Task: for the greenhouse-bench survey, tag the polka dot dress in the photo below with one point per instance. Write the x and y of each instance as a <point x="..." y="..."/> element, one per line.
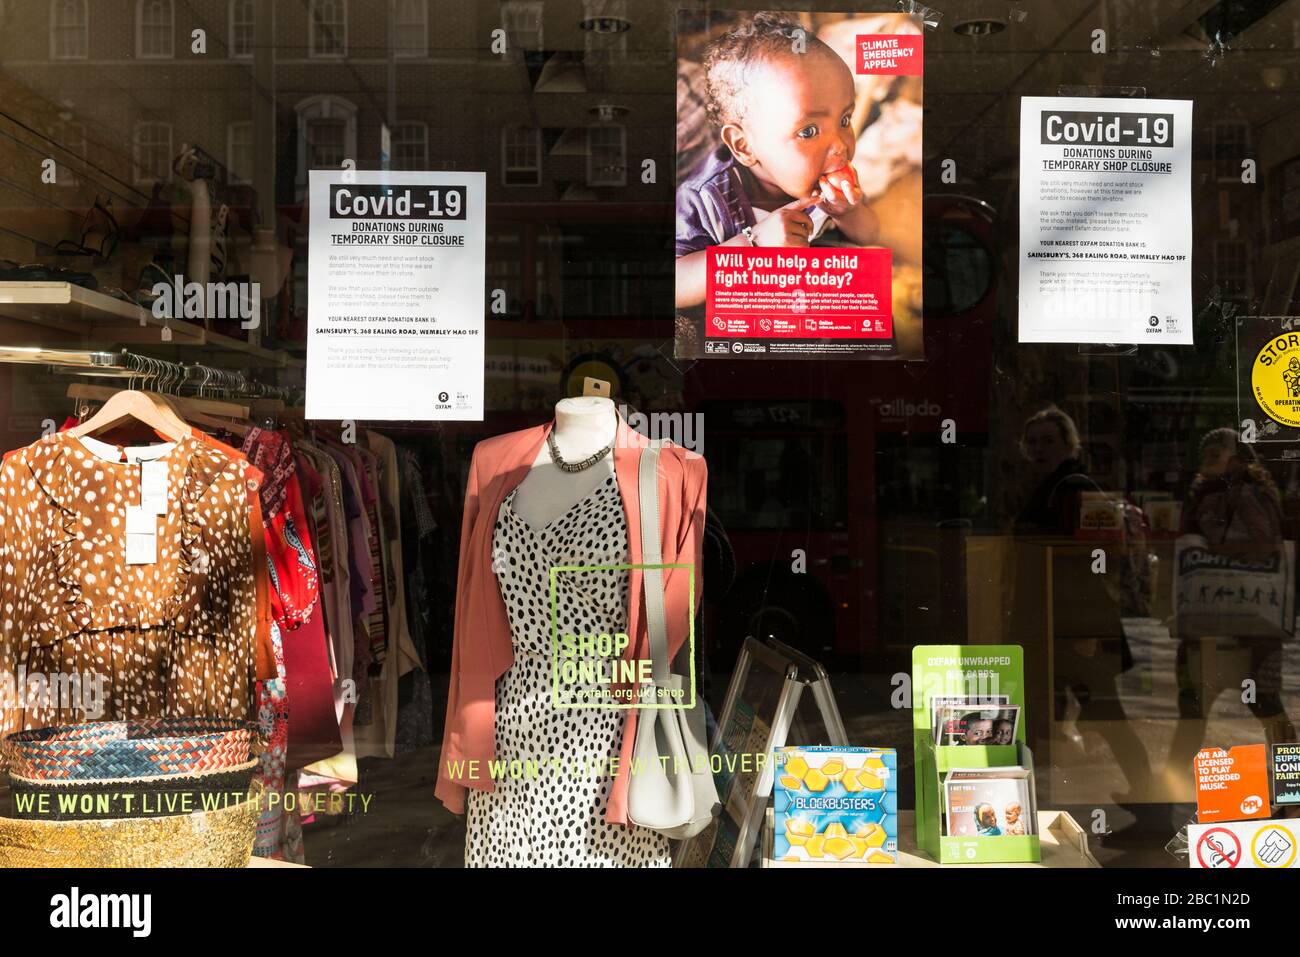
<point x="553" y="784"/>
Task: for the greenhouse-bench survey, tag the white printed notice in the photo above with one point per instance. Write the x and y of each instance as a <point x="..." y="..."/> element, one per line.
<point x="395" y="271"/>
<point x="1105" y="220"/>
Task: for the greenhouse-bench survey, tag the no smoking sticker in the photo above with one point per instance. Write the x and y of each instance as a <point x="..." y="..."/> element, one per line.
<point x="1218" y="848"/>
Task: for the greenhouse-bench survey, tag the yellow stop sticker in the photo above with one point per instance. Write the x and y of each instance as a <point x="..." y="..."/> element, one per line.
<point x="1275" y="379"/>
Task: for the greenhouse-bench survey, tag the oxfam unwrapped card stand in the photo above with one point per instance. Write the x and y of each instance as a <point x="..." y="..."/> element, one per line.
<point x="973" y="676"/>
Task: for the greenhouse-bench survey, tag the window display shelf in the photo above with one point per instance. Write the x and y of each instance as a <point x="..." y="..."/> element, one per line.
<point x="98" y="317"/>
<point x="1064" y="844"/>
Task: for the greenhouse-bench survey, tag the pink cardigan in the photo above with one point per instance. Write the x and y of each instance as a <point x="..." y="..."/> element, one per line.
<point x="483" y="647"/>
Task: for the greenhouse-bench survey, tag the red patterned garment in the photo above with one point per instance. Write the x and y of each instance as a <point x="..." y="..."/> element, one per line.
<point x="290" y="553"/>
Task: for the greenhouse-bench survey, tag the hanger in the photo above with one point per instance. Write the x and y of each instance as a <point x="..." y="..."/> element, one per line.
<point x="195" y="415"/>
<point x="130" y="404"/>
<point x="211" y="421"/>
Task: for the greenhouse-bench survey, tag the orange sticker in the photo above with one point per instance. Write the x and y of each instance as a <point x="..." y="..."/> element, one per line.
<point x="1232" y="785"/>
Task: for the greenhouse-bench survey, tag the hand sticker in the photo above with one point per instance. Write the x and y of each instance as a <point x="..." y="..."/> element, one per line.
<point x="1274" y="847"/>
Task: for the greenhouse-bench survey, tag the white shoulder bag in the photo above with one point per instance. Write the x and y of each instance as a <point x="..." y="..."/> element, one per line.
<point x="672" y="789"/>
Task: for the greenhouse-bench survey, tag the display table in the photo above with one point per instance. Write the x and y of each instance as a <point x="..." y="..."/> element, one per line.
<point x="1065" y="844"/>
<point x="267" y="862"/>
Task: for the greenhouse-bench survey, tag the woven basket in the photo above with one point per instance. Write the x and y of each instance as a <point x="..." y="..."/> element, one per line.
<point x="220" y="838"/>
<point x="129" y="749"/>
<point x="113" y="798"/>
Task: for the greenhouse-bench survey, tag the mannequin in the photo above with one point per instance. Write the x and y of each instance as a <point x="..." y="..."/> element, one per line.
<point x="583" y="426"/>
<point x="575" y="520"/>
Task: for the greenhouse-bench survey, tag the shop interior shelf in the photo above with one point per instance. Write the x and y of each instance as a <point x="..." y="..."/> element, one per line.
<point x="101" y="318"/>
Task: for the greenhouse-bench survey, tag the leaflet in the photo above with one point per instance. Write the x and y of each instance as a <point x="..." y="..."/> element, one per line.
<point x="396" y="305"/>
<point x="1105" y="220"/>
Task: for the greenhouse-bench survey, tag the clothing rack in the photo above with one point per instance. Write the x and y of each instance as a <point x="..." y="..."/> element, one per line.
<point x="165" y="376"/>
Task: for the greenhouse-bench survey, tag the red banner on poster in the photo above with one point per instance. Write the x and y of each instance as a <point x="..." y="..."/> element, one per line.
<point x="881" y="54"/>
<point x="799" y="293"/>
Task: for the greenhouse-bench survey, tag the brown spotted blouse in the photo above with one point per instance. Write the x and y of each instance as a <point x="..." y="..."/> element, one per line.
<point x="175" y="636"/>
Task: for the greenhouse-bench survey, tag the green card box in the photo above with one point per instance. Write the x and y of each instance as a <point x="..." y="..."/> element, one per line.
<point x="992" y="756"/>
<point x="976" y="670"/>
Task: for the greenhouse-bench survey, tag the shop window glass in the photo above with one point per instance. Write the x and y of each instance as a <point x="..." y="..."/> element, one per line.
<point x="966" y="478"/>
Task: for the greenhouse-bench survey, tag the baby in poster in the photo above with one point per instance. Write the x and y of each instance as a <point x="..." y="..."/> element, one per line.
<point x="784" y="121"/>
<point x="795" y="133"/>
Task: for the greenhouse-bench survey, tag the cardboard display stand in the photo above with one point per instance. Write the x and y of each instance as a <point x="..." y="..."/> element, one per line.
<point x="974" y="670"/>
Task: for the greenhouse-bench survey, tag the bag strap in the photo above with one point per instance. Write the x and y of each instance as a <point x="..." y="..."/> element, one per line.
<point x="652" y="554"/>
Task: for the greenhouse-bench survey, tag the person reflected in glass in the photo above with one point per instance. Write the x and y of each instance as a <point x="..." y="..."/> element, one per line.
<point x="1087" y="668"/>
<point x="1233" y="504"/>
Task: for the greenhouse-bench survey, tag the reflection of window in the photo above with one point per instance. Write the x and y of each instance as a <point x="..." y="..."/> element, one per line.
<point x="521" y="156"/>
<point x="327" y="135"/>
<point x="72" y="138"/>
<point x="239" y="152"/>
<point x="153" y="28"/>
<point x="1232" y="268"/>
<point x="410" y="144"/>
<point x="1231" y="146"/>
<point x="241" y="28"/>
<point x="329" y="27"/>
<point x="449" y="145"/>
<point x="151" y="150"/>
<point x="523" y="23"/>
<point x="505" y="270"/>
<point x="606" y="156"/>
<point x="410" y="27"/>
<point x="326" y="141"/>
<point x="69" y="20"/>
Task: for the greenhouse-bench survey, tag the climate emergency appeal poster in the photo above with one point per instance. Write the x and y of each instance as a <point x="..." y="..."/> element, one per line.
<point x="798" y="189"/>
<point x="1105" y="220"/>
<point x="395" y="306"/>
